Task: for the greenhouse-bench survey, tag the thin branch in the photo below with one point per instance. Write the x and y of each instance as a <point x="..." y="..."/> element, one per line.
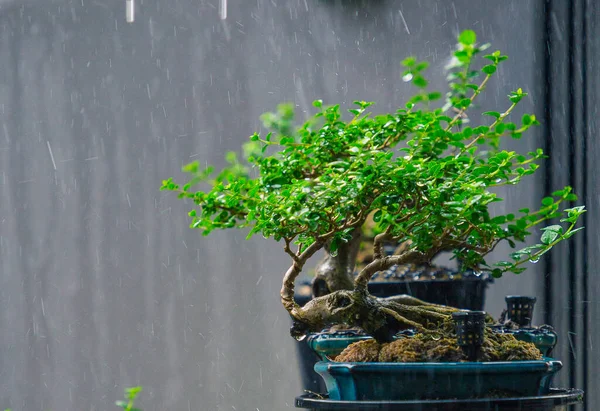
<point x="415" y="223"/>
<point x="536" y="255"/>
<point x="287" y="289"/>
<point x="236" y="213"/>
<point x="300" y="258"/>
<point x="288" y="250"/>
<point x="412" y="256"/>
<point x="378" y="242"/>
<point x="490" y="128"/>
<point x="494" y="245"/>
<point x="464" y="109"/>
<point x="388" y="140"/>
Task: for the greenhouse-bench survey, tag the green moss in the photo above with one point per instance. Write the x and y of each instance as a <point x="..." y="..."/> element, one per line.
<point x="361" y="351"/>
<point x="440" y="348"/>
<point x="519" y="350"/>
<point x="445" y="350"/>
<point x="403" y="350"/>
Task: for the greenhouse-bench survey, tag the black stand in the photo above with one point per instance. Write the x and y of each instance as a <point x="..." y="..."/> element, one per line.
<point x="557" y="399"/>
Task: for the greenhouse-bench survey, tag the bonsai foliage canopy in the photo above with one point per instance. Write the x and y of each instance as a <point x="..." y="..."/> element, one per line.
<point x="425" y="175"/>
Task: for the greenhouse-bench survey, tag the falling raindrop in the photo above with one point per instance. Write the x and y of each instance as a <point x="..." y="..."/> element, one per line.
<point x="130" y="10"/>
<point x="223" y="9"/>
<point x="407" y="77"/>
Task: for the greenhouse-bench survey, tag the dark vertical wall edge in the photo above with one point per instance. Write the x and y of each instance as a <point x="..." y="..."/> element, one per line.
<point x="584" y="193"/>
<point x="547" y="147"/>
<point x="571" y="254"/>
<point x="570" y="34"/>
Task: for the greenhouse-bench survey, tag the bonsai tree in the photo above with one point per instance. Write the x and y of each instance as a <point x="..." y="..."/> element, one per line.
<point x="423" y="176"/>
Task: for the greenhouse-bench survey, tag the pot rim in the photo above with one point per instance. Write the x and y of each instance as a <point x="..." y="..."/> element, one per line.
<point x="546" y="364"/>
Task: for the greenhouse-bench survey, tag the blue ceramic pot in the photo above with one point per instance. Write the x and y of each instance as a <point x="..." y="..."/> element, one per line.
<point x="544" y="338"/>
<point x="328" y="346"/>
<point x="420" y="381"/>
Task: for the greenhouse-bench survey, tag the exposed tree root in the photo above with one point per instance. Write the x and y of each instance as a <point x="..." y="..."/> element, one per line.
<point x="380" y="317"/>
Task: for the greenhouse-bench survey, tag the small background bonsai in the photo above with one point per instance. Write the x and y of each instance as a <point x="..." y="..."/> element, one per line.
<point x="422" y="177"/>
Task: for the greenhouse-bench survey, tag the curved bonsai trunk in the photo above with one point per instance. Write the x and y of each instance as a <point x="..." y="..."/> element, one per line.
<point x="382" y="318"/>
<point x="336" y="272"/>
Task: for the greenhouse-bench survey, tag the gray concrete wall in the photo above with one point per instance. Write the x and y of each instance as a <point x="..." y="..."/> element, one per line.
<point x="102" y="284"/>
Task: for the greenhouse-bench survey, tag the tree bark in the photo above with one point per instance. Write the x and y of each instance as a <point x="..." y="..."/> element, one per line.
<point x="336" y="272"/>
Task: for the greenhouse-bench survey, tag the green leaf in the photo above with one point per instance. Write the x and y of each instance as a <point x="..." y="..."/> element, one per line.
<point x="517" y="255"/>
<point x="517" y="96"/>
<point x="464" y="103"/>
<point x="409" y="62"/>
<point x="569" y="234"/>
<point x="571" y="197"/>
<point x="462" y="57"/>
<point x="494" y="114"/>
<point x="419" y="81"/>
<point x="467" y="38"/>
<point x="434" y="169"/>
<point x="333" y="247"/>
<point x="551" y="233"/>
<point x="575" y="211"/>
<point x="191" y="167"/>
<point x="499" y="219"/>
<point x="547" y="201"/>
<point x="377" y="216"/>
<point x="420" y="66"/>
<point x="548" y="237"/>
<point x="434" y="96"/>
<point x="489" y="69"/>
<point x="231" y="157"/>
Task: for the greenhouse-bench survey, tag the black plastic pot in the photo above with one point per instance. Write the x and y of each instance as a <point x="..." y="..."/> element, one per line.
<point x="467" y="293"/>
<point x="470" y="327"/>
<point x="519" y="309"/>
